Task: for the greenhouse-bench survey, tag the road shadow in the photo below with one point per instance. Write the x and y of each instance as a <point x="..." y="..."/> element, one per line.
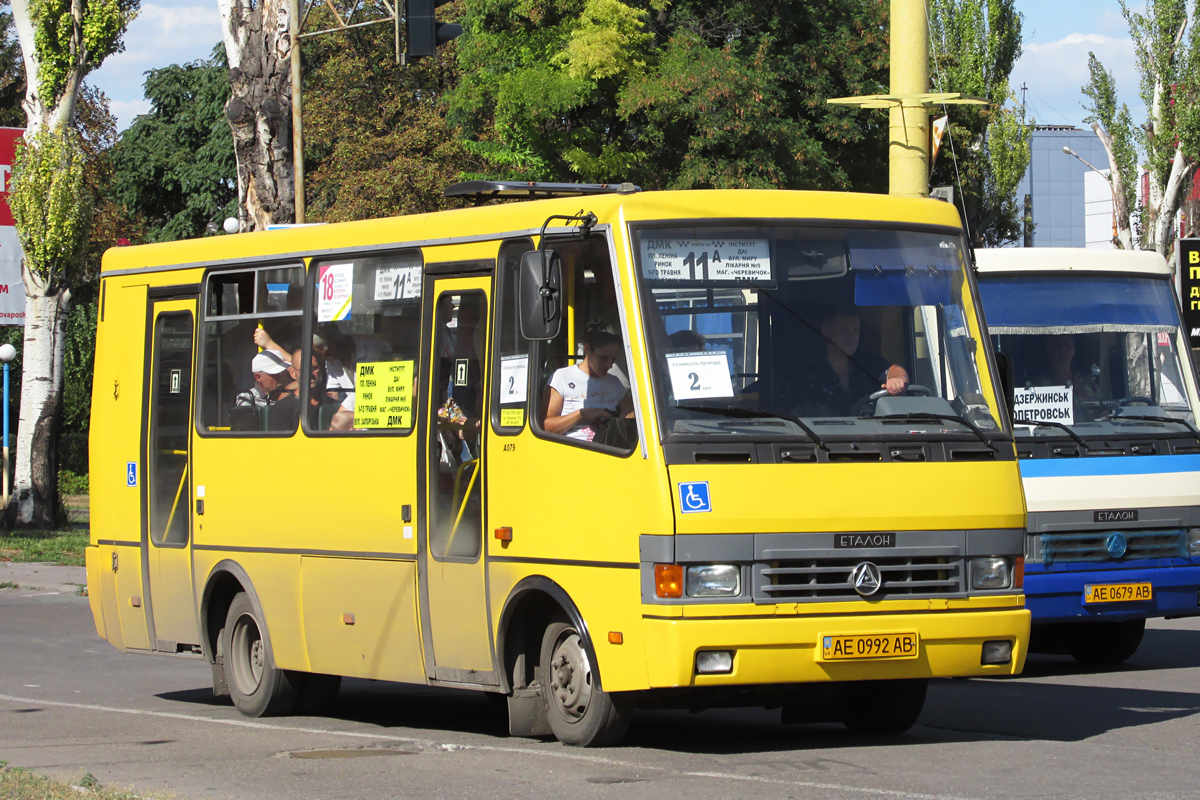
<point x="1048" y="704"/>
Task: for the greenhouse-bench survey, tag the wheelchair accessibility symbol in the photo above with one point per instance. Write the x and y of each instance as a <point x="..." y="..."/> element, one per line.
<point x="693" y="497"/>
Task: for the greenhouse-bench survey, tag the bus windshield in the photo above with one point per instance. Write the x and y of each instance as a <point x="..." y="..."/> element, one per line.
<point x="1088" y="352"/>
<point x="811" y="331"/>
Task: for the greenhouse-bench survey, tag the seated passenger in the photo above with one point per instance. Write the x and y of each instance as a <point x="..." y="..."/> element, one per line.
<point x="1060" y="369"/>
<point x="271" y="377"/>
<point x="686" y="341"/>
<point x="841" y="376"/>
<point x="582" y="397"/>
<point x="288" y="405"/>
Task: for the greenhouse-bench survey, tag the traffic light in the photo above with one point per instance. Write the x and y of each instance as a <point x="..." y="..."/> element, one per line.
<point x="424" y="32"/>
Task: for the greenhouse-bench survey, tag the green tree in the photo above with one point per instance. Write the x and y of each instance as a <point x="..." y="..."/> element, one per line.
<point x="61" y="42"/>
<point x="12" y="72"/>
<point x="1167" y="145"/>
<point x="679" y="94"/>
<point x="174" y="166"/>
<point x="376" y="139"/>
<point x="974" y="45"/>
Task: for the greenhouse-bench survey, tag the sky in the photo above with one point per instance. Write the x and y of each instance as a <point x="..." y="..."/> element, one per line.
<point x="1058" y="35"/>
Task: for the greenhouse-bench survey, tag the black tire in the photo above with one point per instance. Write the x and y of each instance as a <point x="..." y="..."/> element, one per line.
<point x="580" y="713"/>
<point x="882" y="708"/>
<point x="317" y="694"/>
<point x="1105" y="642"/>
<point x="257" y="686"/>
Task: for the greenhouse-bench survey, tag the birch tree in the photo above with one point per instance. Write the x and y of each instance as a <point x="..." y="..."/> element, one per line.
<point x="258" y="48"/>
<point x="61" y="42"/>
<point x="974" y="45"/>
<point x="1167" y="144"/>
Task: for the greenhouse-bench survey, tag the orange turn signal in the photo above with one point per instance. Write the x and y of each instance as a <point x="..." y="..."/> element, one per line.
<point x="504" y="534"/>
<point x="1019" y="573"/>
<point x="668" y="580"/>
<point x="347" y="619"/>
<point x="616" y="637"/>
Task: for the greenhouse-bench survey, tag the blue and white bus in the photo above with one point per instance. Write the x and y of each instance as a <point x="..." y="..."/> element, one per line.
<point x="1105" y="406"/>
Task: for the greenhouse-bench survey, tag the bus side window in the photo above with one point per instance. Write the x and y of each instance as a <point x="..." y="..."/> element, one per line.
<point x="251" y="319"/>
<point x="512" y="377"/>
<point x="365" y="349"/>
<point x="569" y="379"/>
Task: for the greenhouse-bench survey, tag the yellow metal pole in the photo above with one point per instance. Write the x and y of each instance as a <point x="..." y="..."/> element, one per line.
<point x="908" y="139"/>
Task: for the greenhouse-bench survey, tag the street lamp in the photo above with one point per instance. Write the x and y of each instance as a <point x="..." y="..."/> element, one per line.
<point x="7" y="354"/>
<point x="1108" y="180"/>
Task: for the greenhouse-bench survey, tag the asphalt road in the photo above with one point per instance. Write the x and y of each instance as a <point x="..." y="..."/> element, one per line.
<point x="71" y="704"/>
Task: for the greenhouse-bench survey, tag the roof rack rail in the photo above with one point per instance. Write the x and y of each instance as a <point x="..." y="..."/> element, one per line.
<point x="487" y="190"/>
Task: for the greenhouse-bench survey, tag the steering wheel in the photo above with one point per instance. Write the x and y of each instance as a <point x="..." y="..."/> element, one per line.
<point x="1136" y="400"/>
<point x="861" y="405"/>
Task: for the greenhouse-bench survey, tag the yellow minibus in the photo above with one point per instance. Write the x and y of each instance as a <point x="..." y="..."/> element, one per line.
<point x="590" y="451"/>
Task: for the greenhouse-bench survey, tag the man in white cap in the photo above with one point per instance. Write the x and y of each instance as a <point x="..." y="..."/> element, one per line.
<point x="271" y="378"/>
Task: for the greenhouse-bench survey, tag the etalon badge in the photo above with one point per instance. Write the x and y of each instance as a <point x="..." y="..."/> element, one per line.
<point x="866" y="579"/>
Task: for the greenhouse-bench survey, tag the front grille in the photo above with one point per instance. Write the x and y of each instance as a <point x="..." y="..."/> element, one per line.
<point x="829" y="578"/>
<point x="1059" y="548"/>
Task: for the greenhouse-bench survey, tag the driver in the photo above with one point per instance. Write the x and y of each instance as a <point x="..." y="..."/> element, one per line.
<point x="841" y="376"/>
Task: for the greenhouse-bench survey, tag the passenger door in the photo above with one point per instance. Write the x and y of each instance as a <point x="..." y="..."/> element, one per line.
<point x="167" y="498"/>
<point x="453" y="598"/>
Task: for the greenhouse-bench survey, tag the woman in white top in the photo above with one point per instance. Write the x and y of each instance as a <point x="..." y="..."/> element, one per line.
<point x="582" y="397"/>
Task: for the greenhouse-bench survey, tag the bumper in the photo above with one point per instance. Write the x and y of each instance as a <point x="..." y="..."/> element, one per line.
<point x="787" y="649"/>
<point x="1058" y="596"/>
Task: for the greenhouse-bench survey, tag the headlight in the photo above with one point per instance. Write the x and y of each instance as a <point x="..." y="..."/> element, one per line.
<point x="1193" y="541"/>
<point x="991" y="572"/>
<point x="714" y="580"/>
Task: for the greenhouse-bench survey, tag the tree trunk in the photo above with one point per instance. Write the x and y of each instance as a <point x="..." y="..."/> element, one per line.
<point x="258" y="45"/>
<point x="1116" y="182"/>
<point x="34" y="501"/>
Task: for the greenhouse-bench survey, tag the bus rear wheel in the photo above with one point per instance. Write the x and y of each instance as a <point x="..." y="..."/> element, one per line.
<point x="882" y="708"/>
<point x="1104" y="642"/>
<point x="257" y="686"/>
<point x="580" y="713"/>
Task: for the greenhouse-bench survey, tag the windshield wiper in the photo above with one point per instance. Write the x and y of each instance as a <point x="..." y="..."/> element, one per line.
<point x="920" y="415"/>
<point x="1151" y="418"/>
<point x="755" y="413"/>
<point x="1047" y="423"/>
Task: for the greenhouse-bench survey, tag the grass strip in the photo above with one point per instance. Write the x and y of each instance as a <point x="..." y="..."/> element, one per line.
<point x="53" y="547"/>
<point x="22" y="784"/>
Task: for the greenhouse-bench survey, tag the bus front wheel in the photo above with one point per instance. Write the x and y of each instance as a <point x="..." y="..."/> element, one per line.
<point x="257" y="686"/>
<point x="580" y="713"/>
<point x="882" y="708"/>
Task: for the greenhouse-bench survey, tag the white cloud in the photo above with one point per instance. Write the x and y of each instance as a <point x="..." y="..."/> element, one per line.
<point x="164" y="33"/>
<point x="1055" y="73"/>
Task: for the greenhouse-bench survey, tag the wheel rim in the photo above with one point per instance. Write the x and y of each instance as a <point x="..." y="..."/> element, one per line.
<point x="570" y="677"/>
<point x="248" y="655"/>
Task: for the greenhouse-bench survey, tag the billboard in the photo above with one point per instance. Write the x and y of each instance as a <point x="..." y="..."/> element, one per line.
<point x="12" y="291"/>
<point x="1189" y="288"/>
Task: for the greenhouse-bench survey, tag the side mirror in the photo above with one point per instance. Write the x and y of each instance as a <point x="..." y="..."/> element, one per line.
<point x="540" y="293"/>
<point x="1004" y="366"/>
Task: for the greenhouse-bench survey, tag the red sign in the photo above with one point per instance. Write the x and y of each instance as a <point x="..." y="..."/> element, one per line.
<point x="8" y="141"/>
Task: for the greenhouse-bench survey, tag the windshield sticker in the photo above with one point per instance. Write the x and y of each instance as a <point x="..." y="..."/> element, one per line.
<point x="383" y="394"/>
<point x="699" y="375"/>
<point x="335" y="286"/>
<point x="706" y="259"/>
<point x="1045" y="403"/>
<point x="397" y="283"/>
<point x="514" y="378"/>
